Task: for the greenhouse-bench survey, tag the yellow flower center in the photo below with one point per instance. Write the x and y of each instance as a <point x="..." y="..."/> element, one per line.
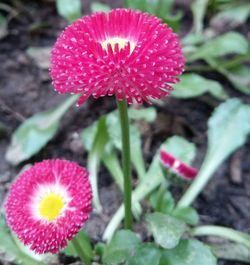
<point x="120" y="41"/>
<point x="51" y="205"/>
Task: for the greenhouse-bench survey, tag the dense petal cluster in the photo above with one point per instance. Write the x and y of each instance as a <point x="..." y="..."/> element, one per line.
<point x="125" y="53"/>
<point x="48" y="204"/>
<point x="177" y="166"/>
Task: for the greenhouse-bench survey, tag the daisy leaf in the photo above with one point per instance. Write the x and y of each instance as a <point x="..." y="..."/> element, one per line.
<point x="32" y="135"/>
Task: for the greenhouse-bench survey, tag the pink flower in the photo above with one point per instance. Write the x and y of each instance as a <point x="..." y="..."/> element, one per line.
<point x="48" y="204"/>
<point x="177" y="166"/>
<point x="125" y="53"/>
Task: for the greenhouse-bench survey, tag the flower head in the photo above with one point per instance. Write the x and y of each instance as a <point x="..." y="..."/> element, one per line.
<point x="48" y="204"/>
<point x="125" y="53"/>
<point x="177" y="166"/>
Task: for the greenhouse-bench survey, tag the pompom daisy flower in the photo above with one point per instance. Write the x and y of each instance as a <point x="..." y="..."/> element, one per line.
<point x="125" y="53"/>
<point x="48" y="204"/>
<point x="177" y="166"/>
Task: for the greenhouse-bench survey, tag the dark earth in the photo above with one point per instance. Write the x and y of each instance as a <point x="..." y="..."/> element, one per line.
<point x="26" y="89"/>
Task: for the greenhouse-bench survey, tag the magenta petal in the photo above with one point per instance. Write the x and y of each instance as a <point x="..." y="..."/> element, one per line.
<point x="125" y="53"/>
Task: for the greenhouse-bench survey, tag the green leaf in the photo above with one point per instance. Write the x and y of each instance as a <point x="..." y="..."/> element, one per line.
<point x="239" y="77"/>
<point x="103" y="151"/>
<point x="180" y="148"/>
<point x="10" y="249"/>
<point x="142" y="5"/>
<point x="192" y="39"/>
<point x="98" y="7"/>
<point x="228" y="43"/>
<point x="99" y="249"/>
<point x="122" y="245"/>
<point x="111" y="162"/>
<point x="235" y="15"/>
<point x="88" y="135"/>
<point x="193" y="85"/>
<point x="231" y="251"/>
<point x="114" y="132"/>
<point x="160" y="8"/>
<point x="94" y="158"/>
<point x="166" y="229"/>
<point x="153" y="178"/>
<point x="166" y="203"/>
<point x="32" y="135"/>
<point x="145" y="254"/>
<point x="221" y="231"/>
<point x="85" y="243"/>
<point x="3" y="26"/>
<point x="187" y="214"/>
<point x="228" y="129"/>
<point x="198" y="8"/>
<point x="69" y="9"/>
<point x="146" y="114"/>
<point x="189" y="252"/>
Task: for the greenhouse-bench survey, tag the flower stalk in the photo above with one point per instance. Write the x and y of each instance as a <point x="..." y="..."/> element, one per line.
<point x="124" y="122"/>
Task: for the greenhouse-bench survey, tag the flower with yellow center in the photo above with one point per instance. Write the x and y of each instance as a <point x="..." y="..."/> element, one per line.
<point x="48" y="204"/>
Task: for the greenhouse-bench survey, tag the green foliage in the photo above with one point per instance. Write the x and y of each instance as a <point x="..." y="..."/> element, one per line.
<point x="228" y="129"/>
<point x="115" y="138"/>
<point x="237" y="74"/>
<point x="240" y="78"/>
<point x="166" y="229"/>
<point x="160" y="8"/>
<point x="154" y="177"/>
<point x="146" y="114"/>
<point x="231" y="251"/>
<point x="194" y="85"/>
<point x="145" y="254"/>
<point x="32" y="135"/>
<point x="235" y="14"/>
<point x="188" y="214"/>
<point x="228" y="43"/>
<point x="162" y="200"/>
<point x="103" y="140"/>
<point x="69" y="9"/>
<point x="95" y="156"/>
<point x="121" y="246"/>
<point x="188" y="252"/>
<point x="198" y="8"/>
<point x="98" y="7"/>
<point x="85" y="243"/>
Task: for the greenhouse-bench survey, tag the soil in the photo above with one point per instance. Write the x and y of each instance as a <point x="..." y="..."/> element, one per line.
<point x="26" y="89"/>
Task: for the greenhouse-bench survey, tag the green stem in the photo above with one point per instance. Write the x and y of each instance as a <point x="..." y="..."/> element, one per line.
<point x="124" y="121"/>
<point x="80" y="251"/>
<point x="161" y="192"/>
<point x="235" y="61"/>
<point x="228" y="233"/>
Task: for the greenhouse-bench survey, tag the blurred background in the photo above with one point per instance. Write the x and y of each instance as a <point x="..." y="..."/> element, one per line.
<point x="215" y="36"/>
